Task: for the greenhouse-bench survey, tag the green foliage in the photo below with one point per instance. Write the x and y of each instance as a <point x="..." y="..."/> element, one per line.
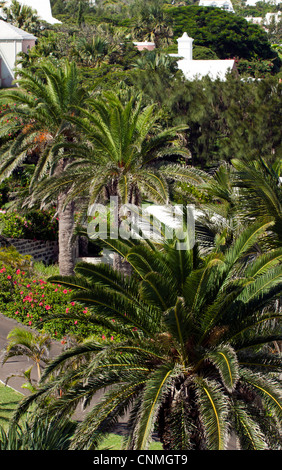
<point x="34" y="225"/>
<point x="22" y="16"/>
<point x="203" y="53"/>
<point x="11" y="257"/>
<point x="35" y="346"/>
<point x="125" y="143"/>
<point x="196" y="331"/>
<point x="38" y="435"/>
<point x="227" y="35"/>
<point x="32" y="301"/>
<point x="254" y="68"/>
<point x="225" y="119"/>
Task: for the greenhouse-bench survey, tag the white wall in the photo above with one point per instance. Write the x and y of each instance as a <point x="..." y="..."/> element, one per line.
<point x="8" y="52"/>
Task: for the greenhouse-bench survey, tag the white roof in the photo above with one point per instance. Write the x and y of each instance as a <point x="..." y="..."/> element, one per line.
<point x="193" y="69"/>
<point x="43" y="8"/>
<point x="10" y="32"/>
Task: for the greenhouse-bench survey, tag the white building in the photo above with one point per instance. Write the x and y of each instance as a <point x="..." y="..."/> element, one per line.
<point x="12" y="41"/>
<point x="266" y="21"/>
<point x="269" y="17"/>
<point x="223" y="4"/>
<point x="193" y="69"/>
<point x="254" y="19"/>
<point x="43" y="8"/>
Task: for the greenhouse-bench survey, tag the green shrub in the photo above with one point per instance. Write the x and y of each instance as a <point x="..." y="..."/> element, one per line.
<point x="254" y="68"/>
<point x="36" y="224"/>
<point x="204" y="53"/>
<point x="31" y="301"/>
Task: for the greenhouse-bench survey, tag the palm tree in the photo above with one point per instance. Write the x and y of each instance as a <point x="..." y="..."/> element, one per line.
<point x="92" y="52"/>
<point x="260" y="192"/>
<point x="22" y="16"/>
<point x="38" y="116"/>
<point x="152" y="23"/>
<point x="25" y="342"/>
<point x="194" y="363"/>
<point x="123" y="144"/>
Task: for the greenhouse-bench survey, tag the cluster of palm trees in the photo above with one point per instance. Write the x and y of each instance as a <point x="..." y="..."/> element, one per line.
<point x="200" y="354"/>
<point x="105" y="148"/>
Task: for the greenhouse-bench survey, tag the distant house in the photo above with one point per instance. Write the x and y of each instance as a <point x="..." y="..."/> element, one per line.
<point x="223" y="4"/>
<point x="266" y="21"/>
<point x="43" y="8"/>
<point x="193" y="69"/>
<point x="12" y="41"/>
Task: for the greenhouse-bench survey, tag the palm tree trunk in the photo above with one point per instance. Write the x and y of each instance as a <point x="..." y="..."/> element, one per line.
<point x="122" y="265"/>
<point x="38" y="371"/>
<point x="66" y="229"/>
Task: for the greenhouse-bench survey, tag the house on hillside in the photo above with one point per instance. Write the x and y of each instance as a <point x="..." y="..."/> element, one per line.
<point x="223" y="4"/>
<point x="267" y="20"/>
<point x="193" y="69"/>
<point x="43" y="8"/>
<point x="12" y="41"/>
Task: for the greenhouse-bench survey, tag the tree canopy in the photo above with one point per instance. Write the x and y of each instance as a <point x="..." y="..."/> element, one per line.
<point x="227" y="35"/>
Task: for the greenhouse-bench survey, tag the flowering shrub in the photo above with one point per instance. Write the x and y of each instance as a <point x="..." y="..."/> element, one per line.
<point x="30" y="301"/>
<point x="255" y="68"/>
<point x="40" y="225"/>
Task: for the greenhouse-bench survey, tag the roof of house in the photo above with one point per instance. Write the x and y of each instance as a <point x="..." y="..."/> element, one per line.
<point x="10" y="32"/>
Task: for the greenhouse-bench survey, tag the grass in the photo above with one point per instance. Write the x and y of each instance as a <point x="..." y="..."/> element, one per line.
<point x="43" y="271"/>
<point x="9" y="400"/>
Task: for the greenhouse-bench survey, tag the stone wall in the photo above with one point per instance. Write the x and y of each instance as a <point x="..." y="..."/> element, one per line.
<point x="40" y="250"/>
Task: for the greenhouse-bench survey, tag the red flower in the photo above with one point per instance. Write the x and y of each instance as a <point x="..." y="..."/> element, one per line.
<point x="47" y="307"/>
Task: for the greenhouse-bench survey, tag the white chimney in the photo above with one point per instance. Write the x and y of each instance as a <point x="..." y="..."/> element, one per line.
<point x="185" y="47"/>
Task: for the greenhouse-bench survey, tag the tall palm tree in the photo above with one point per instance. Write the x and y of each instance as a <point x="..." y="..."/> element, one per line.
<point x="152" y="23"/>
<point x="194" y="362"/>
<point x="123" y="144"/>
<point x="38" y="116"/>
